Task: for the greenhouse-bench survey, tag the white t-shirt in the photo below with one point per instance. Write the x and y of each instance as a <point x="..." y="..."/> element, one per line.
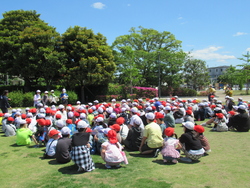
<point x="51" y="147"/>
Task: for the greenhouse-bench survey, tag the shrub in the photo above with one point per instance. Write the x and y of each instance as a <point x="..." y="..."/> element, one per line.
<point x="28" y="99"/>
<point x="202" y="93"/>
<point x="145" y="92"/>
<point x="72" y="97"/>
<point x="16" y="98"/>
<point x="180" y="91"/>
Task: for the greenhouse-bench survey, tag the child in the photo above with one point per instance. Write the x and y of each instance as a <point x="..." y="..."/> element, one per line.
<point x="51" y="145"/>
<point x="204" y="142"/>
<point x="10" y="129"/>
<point x="220" y="123"/>
<point x="170" y="146"/>
<point x="80" y="153"/>
<point x="111" y="151"/>
<point x="71" y="126"/>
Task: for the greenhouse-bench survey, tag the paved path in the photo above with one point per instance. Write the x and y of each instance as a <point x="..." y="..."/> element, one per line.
<point x="220" y="95"/>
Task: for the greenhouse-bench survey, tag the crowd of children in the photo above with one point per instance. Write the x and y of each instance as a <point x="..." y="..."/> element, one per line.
<point x="75" y="132"/>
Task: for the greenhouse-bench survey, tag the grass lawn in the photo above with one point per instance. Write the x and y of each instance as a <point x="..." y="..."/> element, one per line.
<point x="228" y="165"/>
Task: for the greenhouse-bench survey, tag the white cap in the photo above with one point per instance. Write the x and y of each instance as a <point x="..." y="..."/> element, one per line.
<point x="100" y="110"/>
<point x="38" y="91"/>
<point x="22" y="121"/>
<point x="52" y="91"/>
<point x="93" y="107"/>
<point x="41" y="115"/>
<point x="124" y="109"/>
<point x="82" y="124"/>
<point x="150" y="116"/>
<point x="60" y="106"/>
<point x="40" y="104"/>
<point x="60" y="123"/>
<point x="70" y="114"/>
<point x="134" y="110"/>
<point x="113" y="100"/>
<point x="69" y="108"/>
<point x="149" y="108"/>
<point x="18" y="113"/>
<point x="242" y="107"/>
<point x="46" y="92"/>
<point x="63" y="90"/>
<point x="78" y="102"/>
<point x="29" y="115"/>
<point x="112" y="115"/>
<point x="99" y="119"/>
<point x="96" y="101"/>
<point x="123" y="100"/>
<point x="42" y="110"/>
<point x="82" y="116"/>
<point x="137" y="121"/>
<point x="105" y="131"/>
<point x="109" y="110"/>
<point x="7" y="115"/>
<point x="189" y="125"/>
<point x="65" y="131"/>
<point x="167" y="108"/>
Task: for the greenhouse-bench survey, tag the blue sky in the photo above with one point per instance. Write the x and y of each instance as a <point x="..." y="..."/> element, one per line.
<point x="216" y="31"/>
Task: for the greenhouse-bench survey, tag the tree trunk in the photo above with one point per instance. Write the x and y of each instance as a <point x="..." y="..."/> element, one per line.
<point x="27" y="85"/>
<point x="82" y="95"/>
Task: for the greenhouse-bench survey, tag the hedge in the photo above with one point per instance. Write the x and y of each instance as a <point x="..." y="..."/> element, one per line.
<point x="20" y="99"/>
<point x="180" y="91"/>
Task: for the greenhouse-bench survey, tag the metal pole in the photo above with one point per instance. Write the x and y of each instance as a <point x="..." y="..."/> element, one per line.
<point x="159" y="76"/>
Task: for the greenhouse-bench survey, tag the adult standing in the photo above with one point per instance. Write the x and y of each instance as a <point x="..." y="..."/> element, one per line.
<point x="53" y="99"/>
<point x="64" y="97"/>
<point x="37" y="98"/>
<point x="210" y="91"/>
<point x="5" y="101"/>
<point x="45" y="99"/>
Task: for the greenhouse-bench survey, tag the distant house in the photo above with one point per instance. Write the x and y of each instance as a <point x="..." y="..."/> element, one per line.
<point x="215" y="72"/>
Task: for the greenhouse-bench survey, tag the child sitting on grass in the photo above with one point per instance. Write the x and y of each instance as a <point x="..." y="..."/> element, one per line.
<point x="111" y="151"/>
<point x="204" y="142"/>
<point x="170" y="146"/>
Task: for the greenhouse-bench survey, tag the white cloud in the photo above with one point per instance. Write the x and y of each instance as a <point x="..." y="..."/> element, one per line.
<point x="128" y="5"/>
<point x="239" y="34"/>
<point x="98" y="5"/>
<point x="211" y="53"/>
<point x="248" y="49"/>
<point x="180" y="18"/>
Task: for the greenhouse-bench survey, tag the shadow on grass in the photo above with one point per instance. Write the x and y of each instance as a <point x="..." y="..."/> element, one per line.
<point x="54" y="162"/>
<point x="160" y="162"/>
<point x="15" y="145"/>
<point x="70" y="170"/>
<point x="141" y="155"/>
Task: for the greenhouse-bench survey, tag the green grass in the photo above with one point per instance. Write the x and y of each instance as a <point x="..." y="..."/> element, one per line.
<point x="227" y="166"/>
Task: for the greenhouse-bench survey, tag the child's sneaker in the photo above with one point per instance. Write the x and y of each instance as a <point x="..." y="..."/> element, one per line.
<point x="107" y="166"/>
<point x="174" y="161"/>
<point x="118" y="166"/>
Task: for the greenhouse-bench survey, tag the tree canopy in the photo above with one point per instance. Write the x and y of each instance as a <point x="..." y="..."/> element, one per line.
<point x="146" y="44"/>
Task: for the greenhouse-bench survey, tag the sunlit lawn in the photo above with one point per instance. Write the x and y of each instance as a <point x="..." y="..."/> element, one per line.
<point x="228" y="165"/>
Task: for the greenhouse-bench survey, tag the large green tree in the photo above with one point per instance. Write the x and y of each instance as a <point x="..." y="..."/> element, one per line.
<point x="90" y="60"/>
<point x="195" y="73"/>
<point x="28" y="47"/>
<point x="146" y="45"/>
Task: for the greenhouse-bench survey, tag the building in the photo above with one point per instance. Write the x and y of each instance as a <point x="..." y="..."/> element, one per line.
<point x="215" y="72"/>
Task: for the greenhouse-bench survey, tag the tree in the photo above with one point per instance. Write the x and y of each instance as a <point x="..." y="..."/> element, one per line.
<point x="246" y="69"/>
<point x="195" y="73"/>
<point x="29" y="47"/>
<point x="232" y="76"/>
<point x="89" y="58"/>
<point x="146" y="43"/>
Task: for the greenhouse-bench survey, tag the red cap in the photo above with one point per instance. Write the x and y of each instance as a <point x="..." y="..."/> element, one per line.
<point x="115" y="127"/>
<point x="28" y="120"/>
<point x="53" y="132"/>
<point x="199" y="129"/>
<point x="112" y="137"/>
<point x="117" y="105"/>
<point x="213" y="106"/>
<point x="48" y="122"/>
<point x="153" y="107"/>
<point x="190" y="108"/>
<point x="120" y="120"/>
<point x="23" y="116"/>
<point x="58" y="116"/>
<point x="69" y="121"/>
<point x="41" y="122"/>
<point x="232" y="113"/>
<point x="159" y="115"/>
<point x="10" y="119"/>
<point x="90" y="111"/>
<point x="219" y="115"/>
<point x="1" y="114"/>
<point x="169" y="131"/>
<point x="48" y="111"/>
<point x="189" y="112"/>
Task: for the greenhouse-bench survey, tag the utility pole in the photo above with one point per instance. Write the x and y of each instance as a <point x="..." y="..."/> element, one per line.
<point x="159" y="76"/>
